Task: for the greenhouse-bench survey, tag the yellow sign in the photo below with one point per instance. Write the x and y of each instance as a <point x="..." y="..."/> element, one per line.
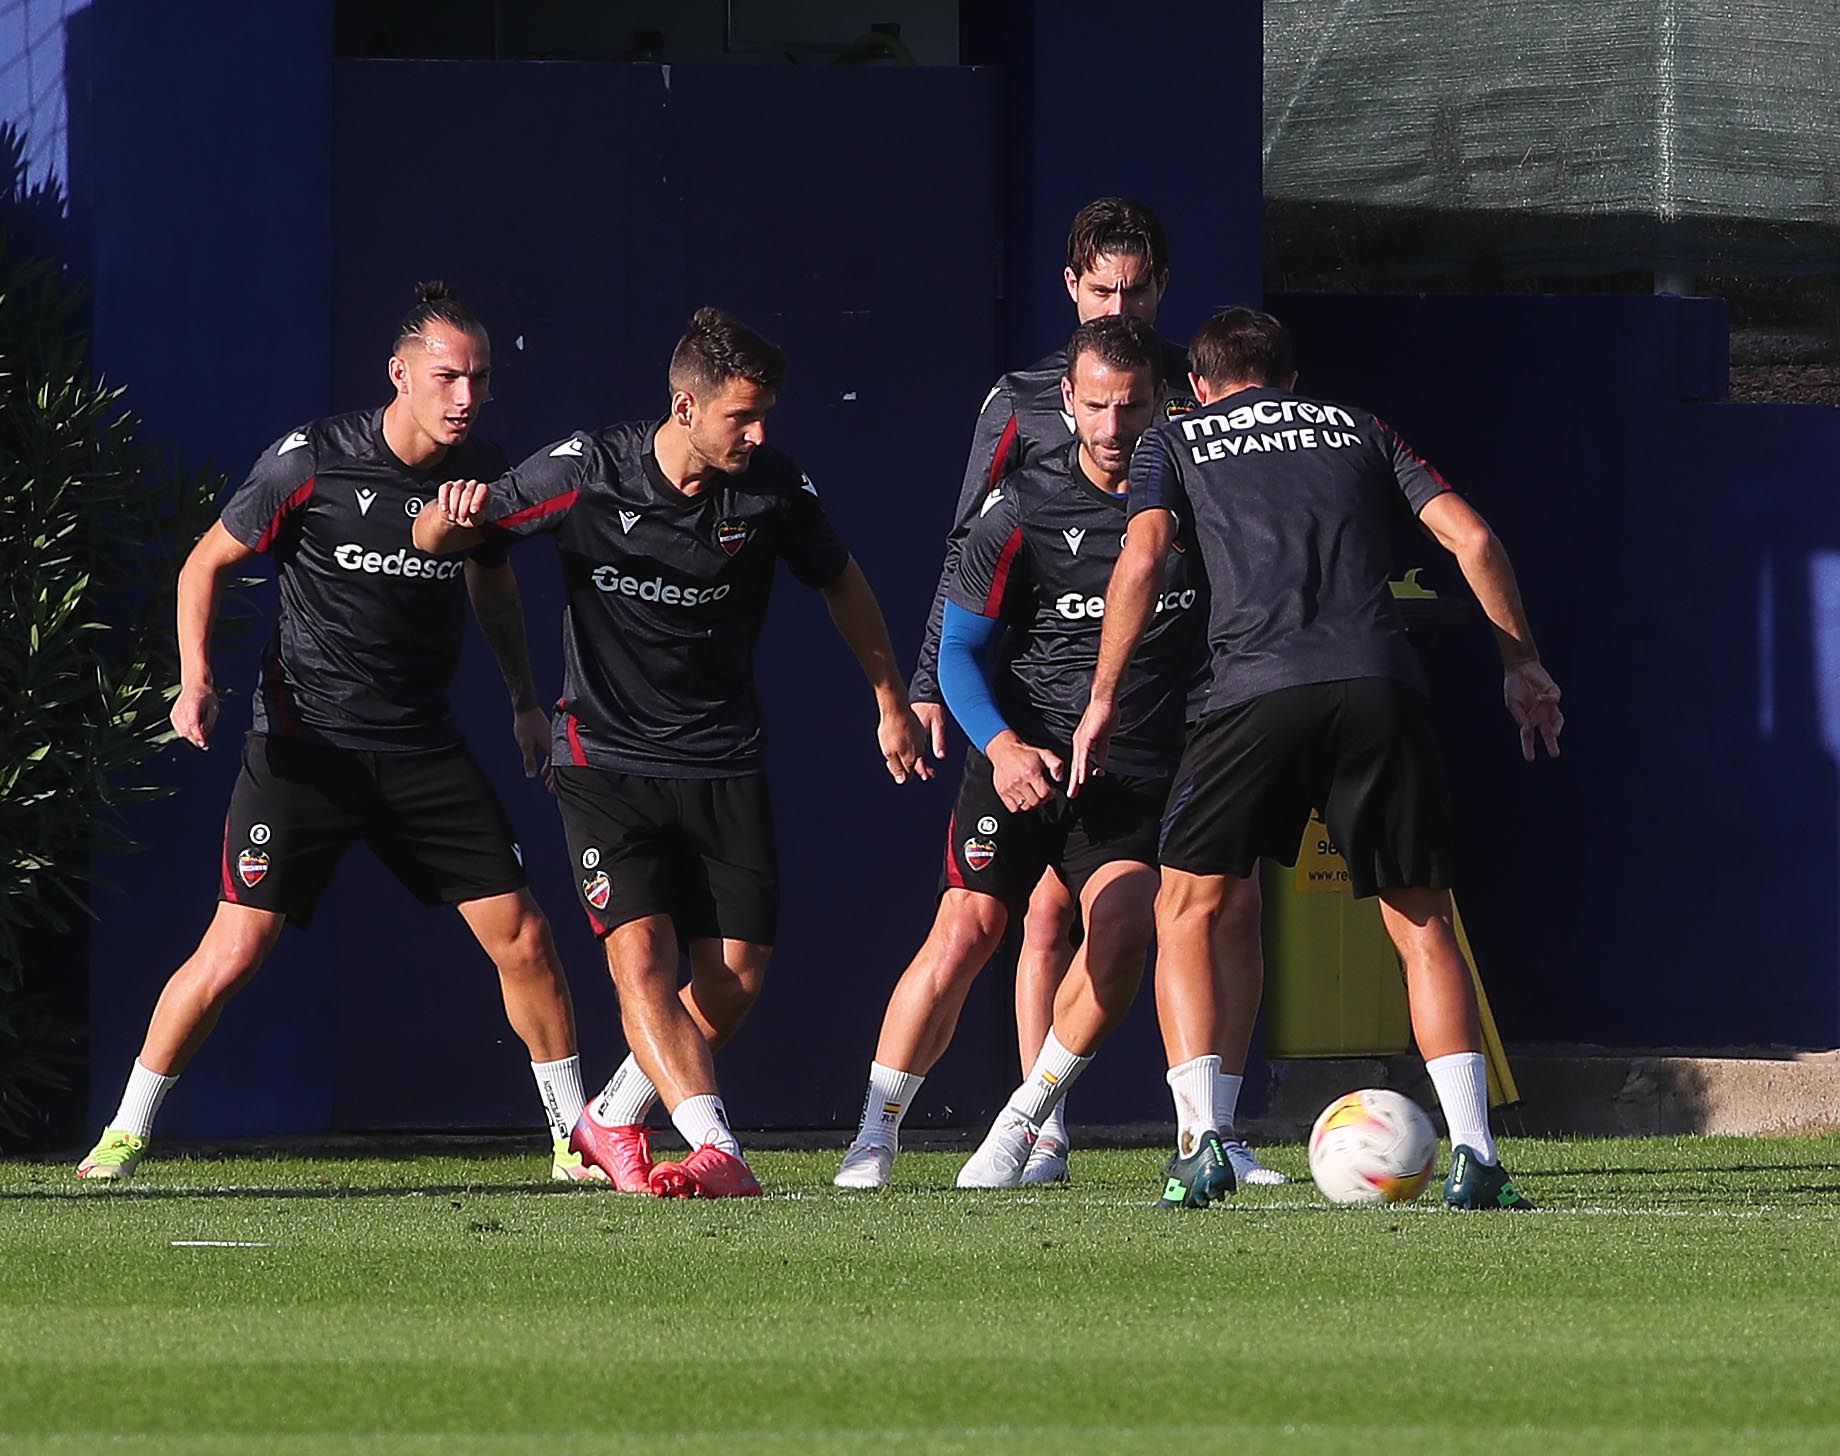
<point x="1321" y="870"/>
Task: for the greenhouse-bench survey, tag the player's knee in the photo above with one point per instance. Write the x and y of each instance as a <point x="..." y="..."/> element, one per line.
<point x="223" y="966"/>
<point x="970" y="928"/>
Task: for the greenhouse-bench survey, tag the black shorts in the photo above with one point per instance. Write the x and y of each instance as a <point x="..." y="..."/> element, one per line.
<point x="1003" y="854"/>
<point x="699" y="850"/>
<point x="1362" y="752"/>
<point x="429" y="815"/>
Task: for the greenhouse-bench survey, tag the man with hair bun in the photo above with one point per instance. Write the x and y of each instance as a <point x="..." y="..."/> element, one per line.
<point x="1117" y="264"/>
<point x="353" y="736"/>
<point x="670" y="532"/>
<point x="1020" y="637"/>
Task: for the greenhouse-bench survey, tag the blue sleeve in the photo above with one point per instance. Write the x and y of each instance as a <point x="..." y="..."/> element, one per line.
<point x="965" y="642"/>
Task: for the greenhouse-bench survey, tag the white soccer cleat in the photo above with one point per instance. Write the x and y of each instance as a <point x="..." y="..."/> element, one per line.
<point x="1247" y="1168"/>
<point x="1002" y="1156"/>
<point x="865" y="1165"/>
<point x="1047" y="1162"/>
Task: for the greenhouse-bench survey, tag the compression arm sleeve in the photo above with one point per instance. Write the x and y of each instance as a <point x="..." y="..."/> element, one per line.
<point x="966" y="643"/>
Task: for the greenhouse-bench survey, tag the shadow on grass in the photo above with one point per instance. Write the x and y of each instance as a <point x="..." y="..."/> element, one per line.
<point x="444" y="1190"/>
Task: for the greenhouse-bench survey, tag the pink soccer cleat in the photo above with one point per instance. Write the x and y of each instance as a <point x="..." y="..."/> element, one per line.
<point x="623" y="1153"/>
<point x="707" y="1173"/>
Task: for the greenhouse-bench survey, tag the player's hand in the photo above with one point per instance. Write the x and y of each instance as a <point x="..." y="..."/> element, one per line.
<point x="1023" y="774"/>
<point x="1533" y="702"/>
<point x="932" y="718"/>
<point x="194" y="715"/>
<point x="902" y="740"/>
<point x="462" y="502"/>
<point x="531" y="728"/>
<point x="1092" y="744"/>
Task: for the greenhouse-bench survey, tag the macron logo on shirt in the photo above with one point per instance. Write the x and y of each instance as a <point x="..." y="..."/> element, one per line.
<point x="293" y="442"/>
<point x="994" y="498"/>
<point x="570" y="447"/>
<point x="1074" y="535"/>
<point x="628" y="519"/>
<point x="365" y="497"/>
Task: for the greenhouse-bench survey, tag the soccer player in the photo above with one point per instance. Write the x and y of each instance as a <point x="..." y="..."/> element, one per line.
<point x="1316" y="700"/>
<point x="1017" y="650"/>
<point x="669" y="533"/>
<point x="1117" y="264"/>
<point x="353" y="737"/>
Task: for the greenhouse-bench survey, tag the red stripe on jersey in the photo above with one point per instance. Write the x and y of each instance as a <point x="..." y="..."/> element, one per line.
<point x="579" y="758"/>
<point x="563" y="502"/>
<point x="999" y="575"/>
<point x="1004" y="441"/>
<point x="229" y="884"/>
<point x="953" y="877"/>
<point x="302" y="494"/>
<point x="1400" y="441"/>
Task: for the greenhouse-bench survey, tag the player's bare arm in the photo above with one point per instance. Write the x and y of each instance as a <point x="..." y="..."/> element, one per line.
<point x="859" y="620"/>
<point x="1531" y="695"/>
<point x="452" y="525"/>
<point x="201" y="589"/>
<point x="500" y="610"/>
<point x="1130" y="602"/>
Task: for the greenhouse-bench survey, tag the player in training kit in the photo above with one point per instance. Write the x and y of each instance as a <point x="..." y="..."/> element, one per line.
<point x="1018" y="645"/>
<point x="1316" y="700"/>
<point x="670" y="532"/>
<point x="353" y="737"/>
<point x="1117" y="263"/>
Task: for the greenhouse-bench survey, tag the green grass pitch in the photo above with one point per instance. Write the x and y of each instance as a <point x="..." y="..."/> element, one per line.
<point x="1678" y="1295"/>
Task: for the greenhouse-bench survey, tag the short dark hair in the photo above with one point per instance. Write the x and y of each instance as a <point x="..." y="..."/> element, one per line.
<point x="435" y="302"/>
<point x="718" y="347"/>
<point x="1241" y="345"/>
<point x="1113" y="225"/>
<point x="1119" y="341"/>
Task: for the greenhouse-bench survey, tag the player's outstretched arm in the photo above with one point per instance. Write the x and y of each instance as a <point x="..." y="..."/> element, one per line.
<point x="201" y="590"/>
<point x="500" y="610"/>
<point x="453" y="524"/>
<point x="1130" y="602"/>
<point x="1528" y="689"/>
<point x="859" y="620"/>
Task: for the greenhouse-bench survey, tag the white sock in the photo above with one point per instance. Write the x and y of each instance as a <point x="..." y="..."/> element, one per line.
<point x="628" y="1097"/>
<point x="891" y="1093"/>
<point x="1195" y="1085"/>
<point x="1054" y="1129"/>
<point x="1055" y="1070"/>
<point x="141" y="1102"/>
<point x="703" y="1122"/>
<point x="1226" y="1100"/>
<point x="559" y="1085"/>
<point x="1462" y="1082"/>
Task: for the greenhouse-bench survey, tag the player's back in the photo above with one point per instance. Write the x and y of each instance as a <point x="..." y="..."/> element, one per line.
<point x="1293" y="501"/>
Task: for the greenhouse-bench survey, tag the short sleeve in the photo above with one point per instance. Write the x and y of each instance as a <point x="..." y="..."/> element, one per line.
<point x="1156" y="478"/>
<point x="538" y="495"/>
<point x="1419" y="481"/>
<point x="808" y="542"/>
<point x="279" y="484"/>
<point x="988" y="559"/>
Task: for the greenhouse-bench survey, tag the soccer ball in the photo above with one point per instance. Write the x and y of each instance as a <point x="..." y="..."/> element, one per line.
<point x="1372" y="1147"/>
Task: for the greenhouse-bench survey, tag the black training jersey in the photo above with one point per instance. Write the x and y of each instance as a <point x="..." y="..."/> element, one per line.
<point x="1022" y="417"/>
<point x="369" y="631"/>
<point x="666" y="596"/>
<point x="1039" y="557"/>
<point x="1291" y="502"/>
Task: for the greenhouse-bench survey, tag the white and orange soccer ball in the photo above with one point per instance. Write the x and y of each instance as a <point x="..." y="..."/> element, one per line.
<point x="1372" y="1146"/>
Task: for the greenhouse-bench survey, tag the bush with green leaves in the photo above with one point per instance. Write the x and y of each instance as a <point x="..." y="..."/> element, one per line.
<point x="90" y="534"/>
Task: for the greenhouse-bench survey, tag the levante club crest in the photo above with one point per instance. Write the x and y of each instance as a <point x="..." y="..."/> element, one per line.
<point x="979" y="853"/>
<point x="731" y="536"/>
